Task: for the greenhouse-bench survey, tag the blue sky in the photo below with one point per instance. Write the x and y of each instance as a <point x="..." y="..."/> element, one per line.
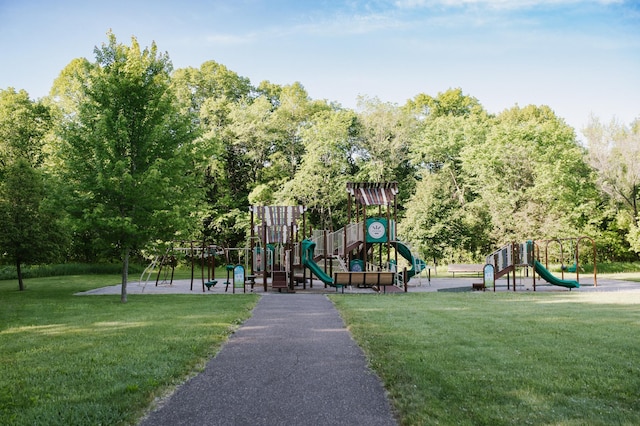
<point x="580" y="57"/>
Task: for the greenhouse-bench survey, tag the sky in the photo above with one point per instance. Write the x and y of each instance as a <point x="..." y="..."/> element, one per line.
<point x="579" y="57"/>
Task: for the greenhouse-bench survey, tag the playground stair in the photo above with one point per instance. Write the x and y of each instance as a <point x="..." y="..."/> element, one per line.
<point x="341" y="263"/>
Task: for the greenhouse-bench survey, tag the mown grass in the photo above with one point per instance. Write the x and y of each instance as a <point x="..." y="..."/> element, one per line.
<point x="503" y="359"/>
<point x="182" y="271"/>
<point x="79" y="360"/>
<point x="8" y="272"/>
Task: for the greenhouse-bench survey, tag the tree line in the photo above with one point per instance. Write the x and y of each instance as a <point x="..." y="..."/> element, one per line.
<point x="126" y="153"/>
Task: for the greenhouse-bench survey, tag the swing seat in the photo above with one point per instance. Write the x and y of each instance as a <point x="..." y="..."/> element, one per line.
<point x="210" y="284"/>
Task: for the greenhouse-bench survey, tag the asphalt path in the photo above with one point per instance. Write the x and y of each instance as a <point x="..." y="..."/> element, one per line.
<point x="292" y="363"/>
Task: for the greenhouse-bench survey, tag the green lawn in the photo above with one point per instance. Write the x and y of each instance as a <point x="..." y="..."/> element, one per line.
<point x="503" y="358"/>
<point x="446" y="358"/>
<point x="88" y="360"/>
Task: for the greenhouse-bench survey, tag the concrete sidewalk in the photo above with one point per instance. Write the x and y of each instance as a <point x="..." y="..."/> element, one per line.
<point x="292" y="363"/>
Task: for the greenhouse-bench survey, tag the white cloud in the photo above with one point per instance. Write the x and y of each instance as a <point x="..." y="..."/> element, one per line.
<point x="497" y="4"/>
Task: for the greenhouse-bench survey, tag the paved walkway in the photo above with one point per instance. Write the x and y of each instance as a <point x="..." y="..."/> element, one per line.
<point x="292" y="363"/>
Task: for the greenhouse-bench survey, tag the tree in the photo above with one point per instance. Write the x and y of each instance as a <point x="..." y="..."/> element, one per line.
<point x="443" y="208"/>
<point x="294" y="111"/>
<point x="212" y="93"/>
<point x="195" y="87"/>
<point x="326" y="167"/>
<point x="128" y="151"/>
<point x="385" y="133"/>
<point x="531" y="175"/>
<point x="614" y="150"/>
<point x="450" y="103"/>
<point x="29" y="231"/>
<point x="433" y="219"/>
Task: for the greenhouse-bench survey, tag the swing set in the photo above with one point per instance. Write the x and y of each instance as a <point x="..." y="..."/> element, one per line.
<point x="196" y="251"/>
<point x="574" y="250"/>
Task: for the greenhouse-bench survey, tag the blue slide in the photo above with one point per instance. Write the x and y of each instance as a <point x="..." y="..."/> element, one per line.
<point x="405" y="252"/>
<point x="552" y="279"/>
<point x="308" y="247"/>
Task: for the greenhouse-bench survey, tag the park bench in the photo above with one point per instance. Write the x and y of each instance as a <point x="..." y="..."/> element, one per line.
<point x="367" y="279"/>
<point x="465" y="269"/>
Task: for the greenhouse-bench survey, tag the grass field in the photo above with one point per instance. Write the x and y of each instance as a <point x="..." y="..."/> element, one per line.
<point x="445" y="358"/>
<point x="89" y="360"/>
<point x="504" y="359"/>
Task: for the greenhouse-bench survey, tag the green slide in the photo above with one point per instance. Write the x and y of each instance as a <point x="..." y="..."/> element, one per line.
<point x="552" y="279"/>
<point x="307" y="260"/>
<point x="405" y="252"/>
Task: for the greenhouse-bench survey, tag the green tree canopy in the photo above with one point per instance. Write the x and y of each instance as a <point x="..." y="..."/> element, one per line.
<point x="531" y="175"/>
<point x="29" y="230"/>
<point x="129" y="153"/>
<point x="320" y="182"/>
<point x="614" y="151"/>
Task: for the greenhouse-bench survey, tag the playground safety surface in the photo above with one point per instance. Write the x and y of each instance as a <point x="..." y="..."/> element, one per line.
<point x="417" y="284"/>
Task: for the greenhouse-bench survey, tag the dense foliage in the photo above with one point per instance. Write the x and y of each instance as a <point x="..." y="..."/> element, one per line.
<point x="137" y="152"/>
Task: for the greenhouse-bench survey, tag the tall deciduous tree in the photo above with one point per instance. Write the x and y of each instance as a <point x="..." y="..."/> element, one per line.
<point x="385" y="133"/>
<point x="443" y="207"/>
<point x="531" y="175"/>
<point x="129" y="152"/>
<point x="326" y="167"/>
<point x="294" y="111"/>
<point x="29" y="231"/>
<point x="212" y="92"/>
<point x="452" y="102"/>
<point x="433" y="221"/>
<point x="614" y="150"/>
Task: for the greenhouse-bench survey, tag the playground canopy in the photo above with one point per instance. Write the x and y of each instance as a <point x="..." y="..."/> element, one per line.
<point x="280" y="222"/>
<point x="373" y="194"/>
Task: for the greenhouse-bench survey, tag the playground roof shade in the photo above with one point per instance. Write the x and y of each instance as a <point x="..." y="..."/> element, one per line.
<point x="373" y="194"/>
<point x="278" y="222"/>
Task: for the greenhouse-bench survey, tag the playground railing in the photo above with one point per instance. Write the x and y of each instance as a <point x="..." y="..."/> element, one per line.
<point x="335" y="240"/>
<point x="501" y="258"/>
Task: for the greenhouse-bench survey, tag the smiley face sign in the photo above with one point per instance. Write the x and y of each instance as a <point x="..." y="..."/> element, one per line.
<point x="376" y="230"/>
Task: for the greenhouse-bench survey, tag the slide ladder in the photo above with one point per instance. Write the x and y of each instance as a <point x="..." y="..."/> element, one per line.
<point x="341" y="263"/>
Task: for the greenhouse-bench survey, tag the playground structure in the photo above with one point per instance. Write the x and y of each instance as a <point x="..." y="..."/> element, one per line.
<point x="361" y="252"/>
<point x="364" y="253"/>
<point x="346" y="257"/>
<point x="506" y="260"/>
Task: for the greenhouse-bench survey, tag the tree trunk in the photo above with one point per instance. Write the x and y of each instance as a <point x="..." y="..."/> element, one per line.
<point x="19" y="270"/>
<point x="635" y="205"/>
<point x="125" y="275"/>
